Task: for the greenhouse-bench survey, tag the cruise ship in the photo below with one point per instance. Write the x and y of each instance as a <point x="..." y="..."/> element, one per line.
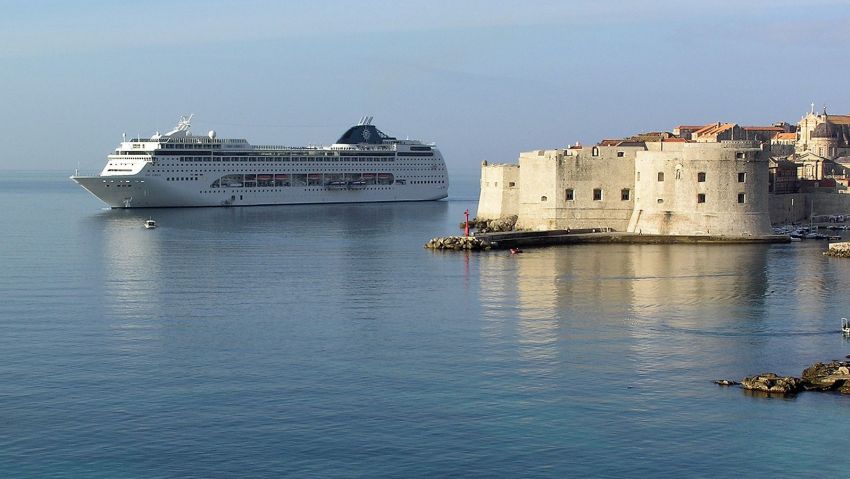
<point x="179" y="169"/>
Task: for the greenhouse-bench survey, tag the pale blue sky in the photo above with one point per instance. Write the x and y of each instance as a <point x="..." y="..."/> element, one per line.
<point x="483" y="79"/>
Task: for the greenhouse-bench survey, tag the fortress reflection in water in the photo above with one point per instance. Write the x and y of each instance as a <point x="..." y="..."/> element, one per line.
<point x="648" y="301"/>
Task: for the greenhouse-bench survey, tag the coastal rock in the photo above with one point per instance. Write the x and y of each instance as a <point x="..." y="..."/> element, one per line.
<point x="772" y="383"/>
<point x="832" y="376"/>
<point x="495" y="225"/>
<point x="458" y="243"/>
<point x="838" y="250"/>
<point x="726" y="382"/>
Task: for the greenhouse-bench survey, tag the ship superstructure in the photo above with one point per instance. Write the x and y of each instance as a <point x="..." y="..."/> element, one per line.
<point x="177" y="169"/>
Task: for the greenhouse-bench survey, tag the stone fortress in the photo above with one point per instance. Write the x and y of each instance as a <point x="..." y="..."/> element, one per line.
<point x="719" y="179"/>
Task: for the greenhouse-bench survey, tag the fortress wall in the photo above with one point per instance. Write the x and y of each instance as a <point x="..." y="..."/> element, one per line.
<point x="796" y="208"/>
<point x="671" y="205"/>
<point x="828" y="204"/>
<point x="538" y="195"/>
<point x="791" y="208"/>
<point x="500" y="186"/>
<point x="554" y="174"/>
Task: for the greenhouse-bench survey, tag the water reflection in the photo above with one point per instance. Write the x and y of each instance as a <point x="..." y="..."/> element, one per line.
<point x="131" y="272"/>
<point x="649" y="301"/>
<point x="330" y="257"/>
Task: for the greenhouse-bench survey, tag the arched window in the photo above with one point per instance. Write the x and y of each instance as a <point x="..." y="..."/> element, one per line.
<point x="594" y="151"/>
<point x="543" y="198"/>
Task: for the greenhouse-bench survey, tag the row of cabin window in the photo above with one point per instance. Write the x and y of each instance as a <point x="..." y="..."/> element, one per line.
<point x="742" y="177"/>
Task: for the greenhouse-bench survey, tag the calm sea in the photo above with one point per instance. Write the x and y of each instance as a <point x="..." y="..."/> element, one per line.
<point x="324" y="341"/>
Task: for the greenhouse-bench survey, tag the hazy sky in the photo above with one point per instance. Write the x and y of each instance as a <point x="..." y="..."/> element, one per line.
<point x="483" y="79"/>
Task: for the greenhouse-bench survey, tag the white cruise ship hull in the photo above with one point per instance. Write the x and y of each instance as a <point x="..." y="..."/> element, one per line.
<point x="147" y="192"/>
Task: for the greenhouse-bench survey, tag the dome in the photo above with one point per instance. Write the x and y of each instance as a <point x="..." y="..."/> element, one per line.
<point x="824" y="130"/>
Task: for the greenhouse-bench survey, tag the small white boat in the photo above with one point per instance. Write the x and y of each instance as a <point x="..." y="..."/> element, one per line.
<point x="150" y="224"/>
<point x="845" y="327"/>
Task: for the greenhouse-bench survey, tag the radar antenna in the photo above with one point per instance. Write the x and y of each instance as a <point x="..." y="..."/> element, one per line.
<point x="185" y="123"/>
<point x="182" y="128"/>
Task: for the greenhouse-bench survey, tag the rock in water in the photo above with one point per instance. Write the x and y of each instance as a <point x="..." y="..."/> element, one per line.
<point x="772" y="383"/>
<point x="726" y="382"/>
<point x="458" y="243"/>
<point x="830" y="376"/>
<point x="839" y="250"/>
<point x="482" y="225"/>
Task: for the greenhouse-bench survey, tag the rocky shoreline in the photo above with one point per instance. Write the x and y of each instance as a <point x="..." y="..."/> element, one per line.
<point x="498" y="225"/>
<point x="838" y="250"/>
<point x="833" y="376"/>
<point x="458" y="243"/>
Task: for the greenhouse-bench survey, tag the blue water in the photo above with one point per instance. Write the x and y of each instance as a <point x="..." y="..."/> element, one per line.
<point x="324" y="341"/>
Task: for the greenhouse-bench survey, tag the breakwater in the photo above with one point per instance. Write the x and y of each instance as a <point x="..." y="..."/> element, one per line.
<point x="563" y="237"/>
<point x="838" y="250"/>
<point x="458" y="243"/>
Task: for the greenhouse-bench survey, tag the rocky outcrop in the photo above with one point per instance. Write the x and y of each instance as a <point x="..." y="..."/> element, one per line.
<point x="838" y="250"/>
<point x="492" y="226"/>
<point x="832" y="376"/>
<point x="772" y="383"/>
<point x="458" y="243"/>
<point x="726" y="382"/>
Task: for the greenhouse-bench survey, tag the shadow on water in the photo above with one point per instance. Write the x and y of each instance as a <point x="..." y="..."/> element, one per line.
<point x="367" y="216"/>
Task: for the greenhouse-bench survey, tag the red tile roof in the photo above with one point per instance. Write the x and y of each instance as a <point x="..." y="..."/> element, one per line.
<point x="713" y="129"/>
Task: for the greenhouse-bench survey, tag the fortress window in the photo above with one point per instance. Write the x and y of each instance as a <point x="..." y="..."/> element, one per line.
<point x="510" y="184"/>
<point x="569" y="194"/>
<point x="625" y="194"/>
<point x="597" y="194"/>
<point x="741" y="155"/>
<point x="660" y="176"/>
<point x="742" y="197"/>
<point x="701" y="198"/>
<point x="543" y="198"/>
<point x="594" y="151"/>
<point x="742" y="177"/>
<point x="701" y="177"/>
<point x="621" y="154"/>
